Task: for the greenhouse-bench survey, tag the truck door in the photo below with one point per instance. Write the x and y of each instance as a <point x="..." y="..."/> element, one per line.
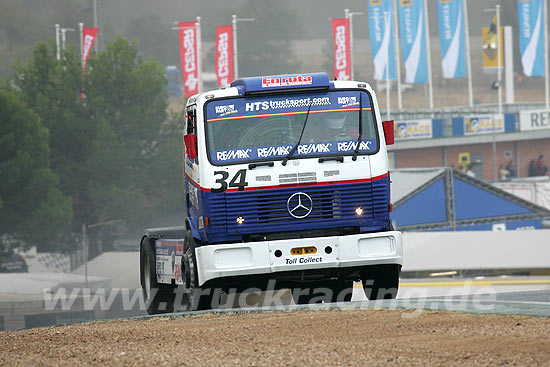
<point x="191" y="165"/>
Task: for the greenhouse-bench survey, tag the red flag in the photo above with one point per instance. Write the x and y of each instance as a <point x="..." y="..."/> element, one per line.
<point x="189" y="57"/>
<point x="88" y="38"/>
<point x="224" y="55"/>
<point x="342" y="60"/>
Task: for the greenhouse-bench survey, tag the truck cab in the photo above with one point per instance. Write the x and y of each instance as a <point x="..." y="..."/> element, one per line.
<point x="287" y="186"/>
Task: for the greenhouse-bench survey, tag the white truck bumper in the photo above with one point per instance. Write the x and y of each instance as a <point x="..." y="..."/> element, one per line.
<point x="218" y="261"/>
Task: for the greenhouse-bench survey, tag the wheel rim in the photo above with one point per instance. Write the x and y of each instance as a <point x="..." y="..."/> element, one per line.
<point x="147" y="280"/>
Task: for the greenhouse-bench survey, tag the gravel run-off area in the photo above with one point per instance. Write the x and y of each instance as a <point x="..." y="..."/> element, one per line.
<point x="368" y="337"/>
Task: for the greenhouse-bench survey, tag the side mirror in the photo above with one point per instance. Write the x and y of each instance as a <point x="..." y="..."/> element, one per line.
<point x="388" y="131"/>
<point x="191" y="145"/>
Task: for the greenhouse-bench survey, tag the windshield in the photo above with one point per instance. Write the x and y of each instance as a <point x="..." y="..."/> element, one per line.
<point x="266" y="128"/>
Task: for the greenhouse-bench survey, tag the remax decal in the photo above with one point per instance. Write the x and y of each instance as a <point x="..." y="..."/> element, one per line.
<point x="279" y="151"/>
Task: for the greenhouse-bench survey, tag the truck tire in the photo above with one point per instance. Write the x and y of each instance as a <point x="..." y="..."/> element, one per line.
<point x="342" y="291"/>
<point x="326" y="292"/>
<point x="381" y="281"/>
<point x="195" y="297"/>
<point x="159" y="298"/>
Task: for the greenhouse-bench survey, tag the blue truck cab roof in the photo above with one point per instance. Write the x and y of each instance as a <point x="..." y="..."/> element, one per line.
<point x="269" y="84"/>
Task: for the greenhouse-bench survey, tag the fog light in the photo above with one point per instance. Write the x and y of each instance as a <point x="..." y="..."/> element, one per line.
<point x="359" y="210"/>
<point x="240" y="220"/>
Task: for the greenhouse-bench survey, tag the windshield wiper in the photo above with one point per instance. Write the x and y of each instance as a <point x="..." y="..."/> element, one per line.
<point x="285" y="160"/>
<point x="356" y="152"/>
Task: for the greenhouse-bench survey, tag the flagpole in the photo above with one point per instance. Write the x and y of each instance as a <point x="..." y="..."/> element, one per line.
<point x="547" y="78"/>
<point x="57" y="48"/>
<point x="499" y="55"/>
<point x="467" y="49"/>
<point x="430" y="85"/>
<point x="349" y="15"/>
<point x="81" y="28"/>
<point x="387" y="71"/>
<point x="235" y="56"/>
<point x="397" y="64"/>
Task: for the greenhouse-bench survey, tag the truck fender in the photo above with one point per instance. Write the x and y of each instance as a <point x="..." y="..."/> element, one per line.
<point x="193" y="227"/>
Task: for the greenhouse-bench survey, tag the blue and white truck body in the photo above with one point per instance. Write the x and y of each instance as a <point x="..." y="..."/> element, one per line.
<point x="273" y="194"/>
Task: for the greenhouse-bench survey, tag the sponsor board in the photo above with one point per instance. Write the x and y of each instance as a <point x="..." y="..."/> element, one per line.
<point x="534" y="120"/>
<point x="484" y="124"/>
<point x="239" y="108"/>
<point x="413" y="129"/>
<point x="168" y="260"/>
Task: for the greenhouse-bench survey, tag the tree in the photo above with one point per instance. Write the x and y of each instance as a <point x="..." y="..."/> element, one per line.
<point x="32" y="208"/>
<point x="105" y="147"/>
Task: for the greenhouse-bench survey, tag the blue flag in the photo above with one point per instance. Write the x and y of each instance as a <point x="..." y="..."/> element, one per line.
<point x="531" y="37"/>
<point x="450" y="16"/>
<point x="412" y="29"/>
<point x="381" y="38"/>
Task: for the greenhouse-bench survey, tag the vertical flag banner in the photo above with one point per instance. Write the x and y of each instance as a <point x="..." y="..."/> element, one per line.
<point x="224" y="55"/>
<point x="88" y="38"/>
<point x="381" y="38"/>
<point x="450" y="16"/>
<point x="490" y="47"/>
<point x="342" y="59"/>
<point x="189" y="57"/>
<point x="413" y="40"/>
<point x="531" y="38"/>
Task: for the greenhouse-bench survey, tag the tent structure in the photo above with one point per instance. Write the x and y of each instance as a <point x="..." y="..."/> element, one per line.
<point x="447" y="199"/>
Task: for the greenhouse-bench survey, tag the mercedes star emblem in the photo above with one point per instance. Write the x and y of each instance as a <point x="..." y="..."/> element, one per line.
<point x="299" y="205"/>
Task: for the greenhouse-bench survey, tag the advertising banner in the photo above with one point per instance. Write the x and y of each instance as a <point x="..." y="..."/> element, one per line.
<point x="224" y="55"/>
<point x="413" y="129"/>
<point x="531" y="37"/>
<point x="450" y="17"/>
<point x="342" y="59"/>
<point x="412" y="31"/>
<point x="483" y="124"/>
<point x="189" y="57"/>
<point x="534" y="120"/>
<point x="88" y="38"/>
<point x="490" y="48"/>
<point x="381" y="34"/>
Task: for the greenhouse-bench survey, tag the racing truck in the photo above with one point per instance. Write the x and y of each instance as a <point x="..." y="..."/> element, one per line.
<point x="287" y="186"/>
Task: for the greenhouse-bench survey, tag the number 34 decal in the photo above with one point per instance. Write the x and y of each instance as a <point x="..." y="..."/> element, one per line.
<point x="239" y="180"/>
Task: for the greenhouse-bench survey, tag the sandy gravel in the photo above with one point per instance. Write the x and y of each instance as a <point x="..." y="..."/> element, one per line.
<point x="300" y="338"/>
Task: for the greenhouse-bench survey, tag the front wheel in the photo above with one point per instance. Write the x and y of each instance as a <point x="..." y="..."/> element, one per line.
<point x="196" y="297"/>
<point x="159" y="298"/>
<point x="381" y="281"/>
